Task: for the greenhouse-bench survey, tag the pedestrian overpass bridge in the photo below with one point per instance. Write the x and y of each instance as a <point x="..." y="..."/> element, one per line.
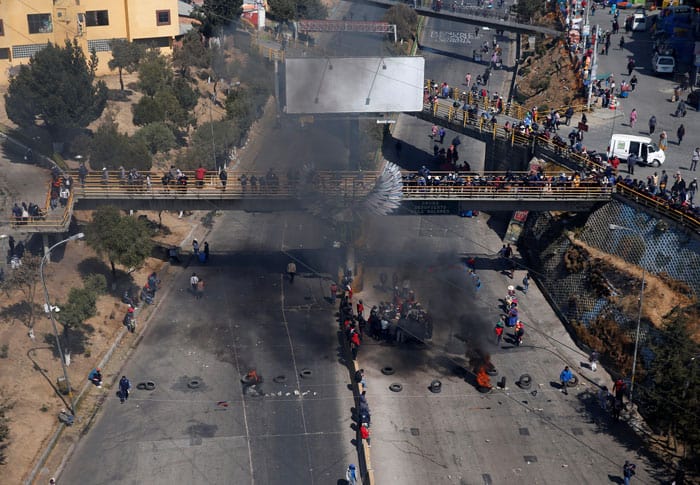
<point x="265" y="192"/>
<point x="487" y="192"/>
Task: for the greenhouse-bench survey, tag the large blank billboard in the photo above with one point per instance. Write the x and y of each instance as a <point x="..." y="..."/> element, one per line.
<point x="354" y="84"/>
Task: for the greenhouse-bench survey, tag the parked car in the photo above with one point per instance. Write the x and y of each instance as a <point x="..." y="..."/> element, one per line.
<point x="639" y="22"/>
<point x="661" y="64"/>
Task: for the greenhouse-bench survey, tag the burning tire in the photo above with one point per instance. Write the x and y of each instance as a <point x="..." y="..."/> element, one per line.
<point x="525" y="381"/>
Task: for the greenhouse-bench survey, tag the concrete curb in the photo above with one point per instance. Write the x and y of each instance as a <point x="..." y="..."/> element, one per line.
<point x="366" y="470"/>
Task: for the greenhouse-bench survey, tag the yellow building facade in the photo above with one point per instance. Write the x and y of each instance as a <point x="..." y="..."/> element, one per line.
<point x="26" y="26"/>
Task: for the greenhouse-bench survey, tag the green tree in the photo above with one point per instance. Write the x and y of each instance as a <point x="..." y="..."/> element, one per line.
<point x="405" y="19"/>
<point x="186" y="95"/>
<point x="671" y="394"/>
<point x="81" y="305"/>
<point x="192" y="53"/>
<point x="24" y="278"/>
<point x="163" y="107"/>
<point x="125" y="57"/>
<point x="154" y="73"/>
<point x="158" y="137"/>
<point x="57" y="88"/>
<point x="123" y="240"/>
<point x="217" y="13"/>
<point x="287" y="10"/>
<point x="112" y="149"/>
<point x="227" y="135"/>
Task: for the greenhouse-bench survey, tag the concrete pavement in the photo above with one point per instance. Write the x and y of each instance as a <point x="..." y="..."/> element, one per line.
<point x="250" y="317"/>
<point x="535" y="435"/>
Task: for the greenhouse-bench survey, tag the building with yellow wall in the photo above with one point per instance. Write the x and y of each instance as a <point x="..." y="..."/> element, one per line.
<point x="26" y="26"/>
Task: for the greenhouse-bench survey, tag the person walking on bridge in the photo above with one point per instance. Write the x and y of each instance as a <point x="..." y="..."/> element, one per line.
<point x="291" y="271"/>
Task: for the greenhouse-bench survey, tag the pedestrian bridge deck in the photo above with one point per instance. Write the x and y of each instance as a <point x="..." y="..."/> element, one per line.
<point x="485" y="191"/>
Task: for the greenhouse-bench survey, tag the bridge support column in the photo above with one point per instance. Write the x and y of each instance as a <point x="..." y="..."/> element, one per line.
<point x="45" y="242"/>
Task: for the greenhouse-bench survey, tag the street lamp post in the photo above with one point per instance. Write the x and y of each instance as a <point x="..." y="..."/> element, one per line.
<point x="49" y="309"/>
<point x="615" y="227"/>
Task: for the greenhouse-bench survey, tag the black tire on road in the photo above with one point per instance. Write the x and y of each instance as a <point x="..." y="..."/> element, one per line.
<point x="280" y="379"/>
<point x="573" y="382"/>
<point x="396" y="387"/>
<point x="388" y="370"/>
<point x="194" y="383"/>
<point x="141" y="386"/>
<point x="306" y="373"/>
<point x="150" y="385"/>
<point x="436" y="386"/>
<point x="492" y="371"/>
<point x="524" y="381"/>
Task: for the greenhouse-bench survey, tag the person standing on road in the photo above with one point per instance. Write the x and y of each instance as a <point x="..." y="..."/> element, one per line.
<point x="630" y="66"/>
<point x="199" y="293"/>
<point x="526" y="283"/>
<point x="291" y="271"/>
<point x="628" y="471"/>
<point x="652" y="124"/>
<point x="633" y="82"/>
<point x="206" y="252"/>
<point x="468" y="80"/>
<point x="124" y="386"/>
<point x="194" y="280"/>
<point x="695" y="159"/>
<point x="351" y="475"/>
<point x="633" y="117"/>
<point x="680" y="133"/>
<point x="593" y="360"/>
<point x="564" y="378"/>
<point x="499" y="331"/>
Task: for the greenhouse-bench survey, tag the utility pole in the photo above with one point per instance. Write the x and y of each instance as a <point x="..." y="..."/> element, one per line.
<point x="594" y="66"/>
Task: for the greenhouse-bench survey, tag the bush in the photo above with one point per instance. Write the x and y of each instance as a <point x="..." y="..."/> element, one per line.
<point x="97" y="283"/>
<point x="80" y="306"/>
<point x="5" y="405"/>
<point x="158" y="137"/>
<point x="405" y="19"/>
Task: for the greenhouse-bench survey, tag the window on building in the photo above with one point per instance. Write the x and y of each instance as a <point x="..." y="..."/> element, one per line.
<point x="163" y="17"/>
<point x="4" y="53"/>
<point x="2" y="28"/>
<point x="94" y="18"/>
<point x="40" y="23"/>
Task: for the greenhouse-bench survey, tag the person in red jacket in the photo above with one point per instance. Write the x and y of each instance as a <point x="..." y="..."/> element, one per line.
<point x="354" y="343"/>
<point x="364" y="434"/>
<point x="199" y="176"/>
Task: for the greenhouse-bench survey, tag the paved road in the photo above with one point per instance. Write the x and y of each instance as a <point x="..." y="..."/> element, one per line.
<point x="448" y="50"/>
<point x="460" y="436"/>
<point x="248" y="318"/>
<point x="652" y="96"/>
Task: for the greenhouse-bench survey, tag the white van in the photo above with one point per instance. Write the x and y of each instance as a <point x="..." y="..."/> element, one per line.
<point x="648" y="153"/>
<point x="663" y="64"/>
<point x="639" y="22"/>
